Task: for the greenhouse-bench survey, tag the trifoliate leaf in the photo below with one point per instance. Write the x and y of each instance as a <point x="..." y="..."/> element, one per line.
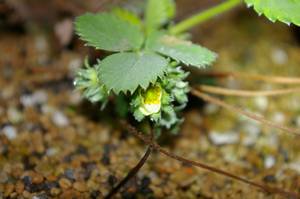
<point x="128" y="16"/>
<point x="180" y="50"/>
<point x="158" y="12"/>
<point x="108" y="32"/>
<point x="126" y="71"/>
<point x="287" y="11"/>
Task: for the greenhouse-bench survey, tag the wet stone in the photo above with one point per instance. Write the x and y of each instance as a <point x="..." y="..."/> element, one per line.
<point x="37" y="178"/>
<point x="60" y="119"/>
<point x="95" y="194"/>
<point x="269" y="179"/>
<point x="69" y="173"/>
<point x="144" y="186"/>
<point x="55" y="191"/>
<point x="40" y="196"/>
<point x="64" y="183"/>
<point x="9" y="188"/>
<point x="31" y="187"/>
<point x="34" y="99"/>
<point x="51" y="185"/>
<point x="3" y="177"/>
<point x="80" y="186"/>
<point x="9" y="131"/>
<point x="19" y="187"/>
<point x="14" y="115"/>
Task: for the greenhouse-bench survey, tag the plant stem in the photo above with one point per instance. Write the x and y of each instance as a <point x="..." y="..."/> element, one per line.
<point x="131" y="173"/>
<point x="158" y="148"/>
<point x="203" y="16"/>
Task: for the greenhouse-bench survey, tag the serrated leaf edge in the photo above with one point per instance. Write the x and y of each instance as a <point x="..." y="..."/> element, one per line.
<point x="287" y="21"/>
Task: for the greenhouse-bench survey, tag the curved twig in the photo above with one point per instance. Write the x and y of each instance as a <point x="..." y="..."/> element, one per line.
<point x="157" y="147"/>
<point x="246" y="93"/>
<point x="270" y="79"/>
<point x="255" y="117"/>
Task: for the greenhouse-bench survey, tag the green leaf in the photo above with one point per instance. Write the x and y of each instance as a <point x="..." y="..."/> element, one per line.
<point x="180" y="50"/>
<point x="108" y="32"/>
<point x="158" y="12"/>
<point x="287" y="11"/>
<point x="128" y="16"/>
<point x="126" y="71"/>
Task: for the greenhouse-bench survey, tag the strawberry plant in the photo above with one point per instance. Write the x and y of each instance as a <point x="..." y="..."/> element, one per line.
<point x="145" y="66"/>
<point x="147" y="56"/>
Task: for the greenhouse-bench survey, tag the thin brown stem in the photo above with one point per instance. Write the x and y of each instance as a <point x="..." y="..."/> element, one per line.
<point x="238" y="75"/>
<point x="131" y="173"/>
<point x="157" y="147"/>
<point x="246" y="93"/>
<point x="255" y="117"/>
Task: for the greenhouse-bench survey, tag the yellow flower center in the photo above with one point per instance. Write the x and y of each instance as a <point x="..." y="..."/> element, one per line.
<point x="151" y="100"/>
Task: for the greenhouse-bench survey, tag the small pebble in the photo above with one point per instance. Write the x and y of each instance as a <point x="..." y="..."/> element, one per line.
<point x="3" y="177"/>
<point x="224" y="138"/>
<point x="9" y="188"/>
<point x="26" y="194"/>
<point x="69" y="173"/>
<point x="59" y="119"/>
<point x="40" y="196"/>
<point x="37" y="178"/>
<point x="269" y="178"/>
<point x="278" y="117"/>
<point x="80" y="186"/>
<point x="19" y="187"/>
<point x="51" y="151"/>
<point x="10" y="132"/>
<point x="30" y="100"/>
<point x="14" y="115"/>
<point x="252" y="131"/>
<point x="210" y="109"/>
<point x="64" y="183"/>
<point x="55" y="191"/>
<point x="279" y="56"/>
<point x="261" y="103"/>
<point x="269" y="161"/>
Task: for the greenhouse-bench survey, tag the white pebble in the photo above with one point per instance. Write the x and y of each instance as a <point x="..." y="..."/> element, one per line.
<point x="38" y="97"/>
<point x="10" y="132"/>
<point x="261" y="103"/>
<point x="51" y="151"/>
<point x="14" y="115"/>
<point x="279" y="56"/>
<point x="269" y="161"/>
<point x="223" y="138"/>
<point x="37" y="197"/>
<point x="278" y="117"/>
<point x="252" y="131"/>
<point x="211" y="109"/>
<point x="59" y="119"/>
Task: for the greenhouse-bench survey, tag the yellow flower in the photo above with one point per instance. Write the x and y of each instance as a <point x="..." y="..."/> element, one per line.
<point x="151" y="100"/>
